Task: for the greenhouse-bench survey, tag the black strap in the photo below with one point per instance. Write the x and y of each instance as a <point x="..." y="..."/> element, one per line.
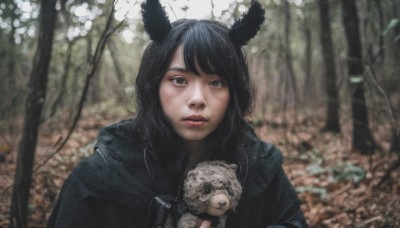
<point x="157" y="213"/>
<point x="178" y="208"/>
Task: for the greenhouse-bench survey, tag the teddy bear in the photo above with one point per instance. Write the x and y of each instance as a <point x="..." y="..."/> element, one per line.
<point x="211" y="189"/>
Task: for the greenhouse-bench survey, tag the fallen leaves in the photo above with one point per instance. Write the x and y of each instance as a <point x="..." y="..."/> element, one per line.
<point x="337" y="186"/>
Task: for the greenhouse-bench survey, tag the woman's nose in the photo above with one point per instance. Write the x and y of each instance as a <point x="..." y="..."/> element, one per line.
<point x="197" y="99"/>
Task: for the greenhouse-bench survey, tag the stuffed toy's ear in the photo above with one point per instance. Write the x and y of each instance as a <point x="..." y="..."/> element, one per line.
<point x="244" y="29"/>
<point x="155" y="20"/>
<point x="233" y="167"/>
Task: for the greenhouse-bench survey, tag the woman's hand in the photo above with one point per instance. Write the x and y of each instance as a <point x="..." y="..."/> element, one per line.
<point x="205" y="224"/>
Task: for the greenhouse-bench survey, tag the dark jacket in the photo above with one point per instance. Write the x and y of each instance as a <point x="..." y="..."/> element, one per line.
<point x="114" y="186"/>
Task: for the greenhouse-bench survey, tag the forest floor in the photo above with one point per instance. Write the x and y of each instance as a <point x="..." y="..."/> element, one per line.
<point x="338" y="187"/>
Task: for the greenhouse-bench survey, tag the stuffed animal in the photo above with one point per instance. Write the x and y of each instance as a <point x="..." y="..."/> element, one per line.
<point x="211" y="189"/>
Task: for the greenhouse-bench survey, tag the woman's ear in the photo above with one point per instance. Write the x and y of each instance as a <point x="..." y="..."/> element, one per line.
<point x="155" y="20"/>
<point x="244" y="29"/>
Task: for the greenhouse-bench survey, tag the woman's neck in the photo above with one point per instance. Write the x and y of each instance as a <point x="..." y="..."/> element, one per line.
<point x="193" y="147"/>
<point x="195" y="151"/>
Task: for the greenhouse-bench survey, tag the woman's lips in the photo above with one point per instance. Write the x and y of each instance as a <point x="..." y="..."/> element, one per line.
<point x="195" y="121"/>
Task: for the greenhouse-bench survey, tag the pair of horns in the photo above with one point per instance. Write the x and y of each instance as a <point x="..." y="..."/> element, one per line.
<point x="157" y="24"/>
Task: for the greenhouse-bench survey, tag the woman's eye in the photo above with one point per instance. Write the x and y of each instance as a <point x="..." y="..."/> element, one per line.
<point x="179" y="81"/>
<point x="216" y="83"/>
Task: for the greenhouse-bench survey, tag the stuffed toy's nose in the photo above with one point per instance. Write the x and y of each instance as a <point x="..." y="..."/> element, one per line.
<point x="219" y="204"/>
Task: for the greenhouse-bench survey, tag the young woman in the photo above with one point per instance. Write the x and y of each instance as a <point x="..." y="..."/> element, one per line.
<point x="193" y="94"/>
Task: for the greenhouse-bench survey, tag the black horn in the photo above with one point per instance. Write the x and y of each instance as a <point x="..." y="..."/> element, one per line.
<point x="244" y="29"/>
<point x="155" y="20"/>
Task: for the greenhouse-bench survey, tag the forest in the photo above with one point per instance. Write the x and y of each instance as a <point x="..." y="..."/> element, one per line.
<point x="328" y="96"/>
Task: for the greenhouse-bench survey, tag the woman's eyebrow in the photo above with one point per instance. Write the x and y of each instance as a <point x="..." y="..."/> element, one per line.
<point x="184" y="70"/>
<point x="180" y="69"/>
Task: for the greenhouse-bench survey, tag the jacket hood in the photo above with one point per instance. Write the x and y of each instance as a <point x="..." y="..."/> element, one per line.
<point x="122" y="171"/>
<point x="263" y="160"/>
<point x="118" y="171"/>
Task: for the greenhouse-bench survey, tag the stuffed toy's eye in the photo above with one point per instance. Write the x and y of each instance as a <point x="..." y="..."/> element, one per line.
<point x="207" y="189"/>
<point x="230" y="192"/>
<point x="228" y="189"/>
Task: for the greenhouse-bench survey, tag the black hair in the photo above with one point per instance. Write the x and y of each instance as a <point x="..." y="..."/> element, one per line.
<point x="206" y="45"/>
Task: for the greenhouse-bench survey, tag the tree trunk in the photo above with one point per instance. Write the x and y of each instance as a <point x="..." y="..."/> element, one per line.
<point x="308" y="84"/>
<point x="11" y="98"/>
<point x="381" y="28"/>
<point x="362" y="137"/>
<point x="94" y="94"/>
<point x="34" y="104"/>
<point x="118" y="69"/>
<point x="396" y="14"/>
<point x="95" y="90"/>
<point x="332" y="111"/>
<point x="288" y="57"/>
<point x="283" y="93"/>
<point x="117" y="65"/>
<point x="393" y="84"/>
<point x="395" y="145"/>
<point x="11" y="54"/>
<point x="67" y="65"/>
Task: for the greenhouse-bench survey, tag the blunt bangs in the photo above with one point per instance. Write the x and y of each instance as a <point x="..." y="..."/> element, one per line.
<point x="207" y="48"/>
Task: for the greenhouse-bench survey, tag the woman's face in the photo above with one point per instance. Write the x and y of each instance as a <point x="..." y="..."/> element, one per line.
<point x="195" y="105"/>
